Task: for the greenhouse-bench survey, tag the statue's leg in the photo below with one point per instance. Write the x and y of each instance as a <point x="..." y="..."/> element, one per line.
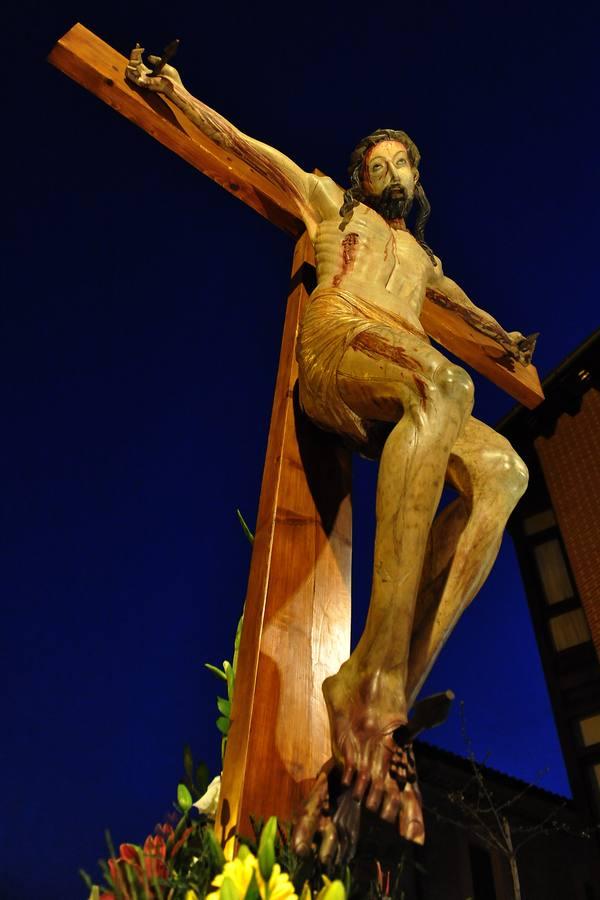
<point x="392" y="377"/>
<point x="464" y="540"/>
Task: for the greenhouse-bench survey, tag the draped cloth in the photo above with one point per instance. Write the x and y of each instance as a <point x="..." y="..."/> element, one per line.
<point x="333" y="319"/>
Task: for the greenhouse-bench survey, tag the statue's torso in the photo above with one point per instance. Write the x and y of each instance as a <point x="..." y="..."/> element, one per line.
<point x="385" y="266"/>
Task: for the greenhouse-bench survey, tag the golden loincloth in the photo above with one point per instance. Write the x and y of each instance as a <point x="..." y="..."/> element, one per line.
<point x="331" y="322"/>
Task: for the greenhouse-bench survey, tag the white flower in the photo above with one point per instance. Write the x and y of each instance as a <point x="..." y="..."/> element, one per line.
<point x="209" y="801"/>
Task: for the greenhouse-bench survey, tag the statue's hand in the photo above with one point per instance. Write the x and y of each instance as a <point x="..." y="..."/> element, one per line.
<point x="524" y="346"/>
<point x="141" y="74"/>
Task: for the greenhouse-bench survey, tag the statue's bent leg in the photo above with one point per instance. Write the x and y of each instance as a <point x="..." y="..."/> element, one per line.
<point x="464" y="540"/>
<point x="393" y="377"/>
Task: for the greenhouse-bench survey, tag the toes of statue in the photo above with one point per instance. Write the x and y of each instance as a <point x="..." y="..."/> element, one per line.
<point x="316" y="810"/>
<point x="347" y="823"/>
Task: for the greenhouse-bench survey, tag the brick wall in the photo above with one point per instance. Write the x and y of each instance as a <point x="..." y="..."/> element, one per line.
<point x="570" y="461"/>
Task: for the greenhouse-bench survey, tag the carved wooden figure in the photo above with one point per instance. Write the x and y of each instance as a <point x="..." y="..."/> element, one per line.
<point x="368" y="372"/>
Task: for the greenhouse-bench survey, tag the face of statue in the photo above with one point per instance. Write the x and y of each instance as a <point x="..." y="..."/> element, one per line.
<point x="389" y="180"/>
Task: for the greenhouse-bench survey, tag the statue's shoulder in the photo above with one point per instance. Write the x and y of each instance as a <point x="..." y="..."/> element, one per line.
<point x="326" y="195"/>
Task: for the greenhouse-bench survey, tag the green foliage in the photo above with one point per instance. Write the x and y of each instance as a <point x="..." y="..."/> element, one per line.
<point x="227" y="673"/>
<point x="266" y="848"/>
<point x="195" y="781"/>
<point x="223" y="723"/>
<point x="245" y="528"/>
<point x="215" y="850"/>
<point x="216" y="671"/>
<point x="224" y="706"/>
<point x="181" y="863"/>
<point x="184" y="798"/>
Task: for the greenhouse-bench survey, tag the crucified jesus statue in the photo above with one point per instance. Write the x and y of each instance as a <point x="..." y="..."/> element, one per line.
<point x="368" y="372"/>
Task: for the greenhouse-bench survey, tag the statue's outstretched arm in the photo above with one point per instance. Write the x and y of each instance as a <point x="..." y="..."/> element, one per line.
<point x="275" y="166"/>
<point x="451" y="294"/>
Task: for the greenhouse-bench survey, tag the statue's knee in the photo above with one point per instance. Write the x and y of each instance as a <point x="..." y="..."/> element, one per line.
<point x="518" y="474"/>
<point x="511" y="473"/>
<point x="455" y="384"/>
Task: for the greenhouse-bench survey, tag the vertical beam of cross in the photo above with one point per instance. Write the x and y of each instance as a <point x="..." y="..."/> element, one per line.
<point x="297" y="614"/>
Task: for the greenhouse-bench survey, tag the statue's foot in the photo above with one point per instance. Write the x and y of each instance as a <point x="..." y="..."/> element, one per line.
<point x="330" y="820"/>
<point x="371" y="745"/>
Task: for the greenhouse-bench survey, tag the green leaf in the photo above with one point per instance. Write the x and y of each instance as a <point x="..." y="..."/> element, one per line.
<point x="236" y="643"/>
<point x="269" y="831"/>
<point x="229" y="674"/>
<point x="347" y="881"/>
<point x="223" y="724"/>
<point x="215" y="851"/>
<point x="245" y="528"/>
<point x="216" y="671"/>
<point x="109" y="844"/>
<point x="184" y="798"/>
<point x="229" y="890"/>
<point x="252" y="892"/>
<point x="88" y="881"/>
<point x="266" y="848"/>
<point x="243" y="852"/>
<point x="202" y="779"/>
<point x="224" y="706"/>
<point x="188" y="764"/>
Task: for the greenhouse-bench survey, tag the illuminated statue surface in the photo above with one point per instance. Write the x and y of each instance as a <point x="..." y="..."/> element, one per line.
<point x="368" y="372"/>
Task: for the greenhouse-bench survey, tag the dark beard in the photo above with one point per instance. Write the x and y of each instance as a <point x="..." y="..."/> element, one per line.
<point x="390" y="204"/>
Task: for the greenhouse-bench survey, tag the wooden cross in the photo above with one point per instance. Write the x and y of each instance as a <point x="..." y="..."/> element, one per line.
<point x="297" y="614"/>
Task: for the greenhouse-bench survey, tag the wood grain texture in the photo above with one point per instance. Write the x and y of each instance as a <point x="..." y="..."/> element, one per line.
<point x="91" y="62"/>
<point x="297" y="614"/>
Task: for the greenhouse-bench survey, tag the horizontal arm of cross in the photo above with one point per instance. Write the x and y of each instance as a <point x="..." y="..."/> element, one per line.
<point x="96" y="66"/>
<point x="91" y="62"/>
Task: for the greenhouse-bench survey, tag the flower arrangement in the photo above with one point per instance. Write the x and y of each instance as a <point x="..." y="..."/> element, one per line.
<point x="185" y="861"/>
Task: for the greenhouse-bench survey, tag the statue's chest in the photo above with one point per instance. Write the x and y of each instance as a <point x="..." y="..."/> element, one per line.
<point x="409" y="260"/>
<point x="374" y="244"/>
<point x="368" y="249"/>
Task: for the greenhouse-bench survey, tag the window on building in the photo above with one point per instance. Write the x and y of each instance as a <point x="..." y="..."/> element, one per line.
<point x="551" y="565"/>
<point x="539" y="522"/>
<point x="482" y="873"/>
<point x="569" y="629"/>
<point x="589" y="729"/>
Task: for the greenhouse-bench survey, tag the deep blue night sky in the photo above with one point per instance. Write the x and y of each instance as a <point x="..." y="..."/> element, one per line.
<point x="141" y="319"/>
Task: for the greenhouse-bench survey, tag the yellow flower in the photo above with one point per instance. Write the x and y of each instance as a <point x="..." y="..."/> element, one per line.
<point x="240" y="872"/>
<point x="191" y="895"/>
<point x="332" y="890"/>
<point x="280" y="886"/>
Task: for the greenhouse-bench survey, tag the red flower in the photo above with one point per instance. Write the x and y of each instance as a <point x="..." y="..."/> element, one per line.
<point x="142" y="867"/>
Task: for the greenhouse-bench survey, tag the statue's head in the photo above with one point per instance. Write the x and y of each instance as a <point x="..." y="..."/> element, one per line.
<point x="384" y="174"/>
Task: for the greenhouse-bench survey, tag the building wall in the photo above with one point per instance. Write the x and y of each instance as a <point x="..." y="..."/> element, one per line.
<point x="556" y="530"/>
<point x="570" y="460"/>
<point x="554" y="861"/>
